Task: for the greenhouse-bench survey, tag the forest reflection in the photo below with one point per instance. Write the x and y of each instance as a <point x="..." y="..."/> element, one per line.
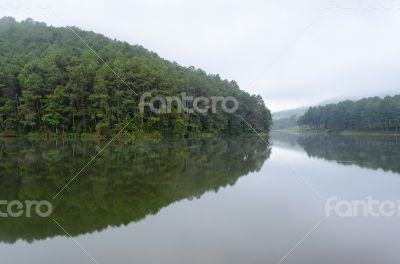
<point x="127" y="182"/>
<point x="372" y="152"/>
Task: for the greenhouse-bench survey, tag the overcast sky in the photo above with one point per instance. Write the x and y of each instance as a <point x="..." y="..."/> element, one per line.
<point x="293" y="53"/>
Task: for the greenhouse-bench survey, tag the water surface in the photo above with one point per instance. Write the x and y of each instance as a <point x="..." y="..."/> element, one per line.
<point x="232" y="200"/>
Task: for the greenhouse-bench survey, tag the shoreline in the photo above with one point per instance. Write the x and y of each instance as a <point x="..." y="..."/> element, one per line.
<point x="122" y="136"/>
<point x="296" y="130"/>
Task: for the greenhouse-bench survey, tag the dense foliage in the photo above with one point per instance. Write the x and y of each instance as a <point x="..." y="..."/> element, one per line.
<point x="367" y="114"/>
<point x="51" y="81"/>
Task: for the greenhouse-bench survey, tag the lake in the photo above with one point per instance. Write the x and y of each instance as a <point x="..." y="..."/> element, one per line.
<point x="220" y="200"/>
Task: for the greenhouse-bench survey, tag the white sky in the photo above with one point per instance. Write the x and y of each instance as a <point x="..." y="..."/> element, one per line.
<point x="286" y="51"/>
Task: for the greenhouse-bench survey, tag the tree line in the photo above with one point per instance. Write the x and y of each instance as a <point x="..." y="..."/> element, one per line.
<point x="51" y="82"/>
<point x="369" y="114"/>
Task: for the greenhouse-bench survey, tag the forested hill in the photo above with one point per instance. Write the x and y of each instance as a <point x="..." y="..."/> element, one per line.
<point x="51" y="81"/>
<point x="374" y="114"/>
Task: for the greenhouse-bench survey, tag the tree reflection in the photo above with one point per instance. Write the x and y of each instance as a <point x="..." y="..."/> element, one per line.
<point x="371" y="152"/>
<point x="127" y="182"/>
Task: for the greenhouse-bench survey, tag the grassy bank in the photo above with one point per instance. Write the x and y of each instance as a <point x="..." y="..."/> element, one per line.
<point x="95" y="136"/>
<point x="297" y="130"/>
<point x="367" y="133"/>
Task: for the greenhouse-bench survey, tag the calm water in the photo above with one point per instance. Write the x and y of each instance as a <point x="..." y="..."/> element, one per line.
<point x="231" y="200"/>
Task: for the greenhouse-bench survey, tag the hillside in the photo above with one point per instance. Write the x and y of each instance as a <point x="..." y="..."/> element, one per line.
<point x="51" y="81"/>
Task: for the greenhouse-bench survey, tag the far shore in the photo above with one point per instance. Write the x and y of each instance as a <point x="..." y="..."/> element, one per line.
<point x="297" y="130"/>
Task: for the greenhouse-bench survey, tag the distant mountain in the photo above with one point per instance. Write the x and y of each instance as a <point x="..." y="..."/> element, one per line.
<point x="289" y="113"/>
<point x="302" y="110"/>
<point x="289" y="118"/>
